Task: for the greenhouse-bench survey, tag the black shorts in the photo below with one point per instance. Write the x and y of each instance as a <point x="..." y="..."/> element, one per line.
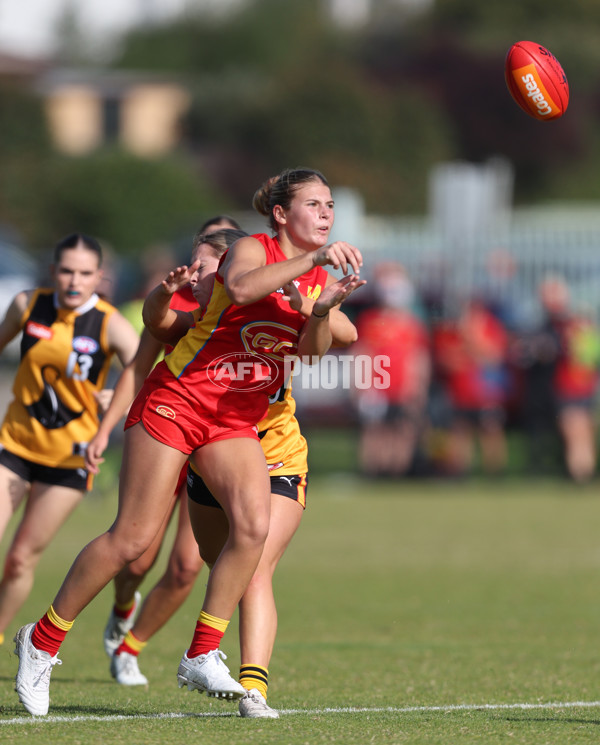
<point x="480" y="417"/>
<point x="75" y="478"/>
<point x="286" y="486"/>
<point x="587" y="403"/>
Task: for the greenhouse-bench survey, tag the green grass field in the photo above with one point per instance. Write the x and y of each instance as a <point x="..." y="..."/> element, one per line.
<point x="416" y="612"/>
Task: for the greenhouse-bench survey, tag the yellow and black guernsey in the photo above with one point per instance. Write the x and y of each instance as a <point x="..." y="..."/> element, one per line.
<point x="64" y="361"/>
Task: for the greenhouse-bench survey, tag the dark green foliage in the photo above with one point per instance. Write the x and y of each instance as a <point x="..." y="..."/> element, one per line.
<point x="127" y="201"/>
<point x="377" y="106"/>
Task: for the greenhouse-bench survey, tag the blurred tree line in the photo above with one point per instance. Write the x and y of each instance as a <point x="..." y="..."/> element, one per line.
<point x="277" y="84"/>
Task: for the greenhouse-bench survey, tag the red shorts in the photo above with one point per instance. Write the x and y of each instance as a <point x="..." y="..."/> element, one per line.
<point x="175" y="421"/>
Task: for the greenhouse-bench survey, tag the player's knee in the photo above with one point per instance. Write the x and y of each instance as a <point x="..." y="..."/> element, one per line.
<point x="126" y="558"/>
<point x="252" y="530"/>
<point x="19" y="562"/>
<point x="136" y="570"/>
<point x="183" y="573"/>
<point x="129" y="548"/>
<point x="183" y="578"/>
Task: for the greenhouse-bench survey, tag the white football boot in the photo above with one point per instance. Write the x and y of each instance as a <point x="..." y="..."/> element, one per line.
<point x="209" y="673"/>
<point x="253" y="705"/>
<point x="32" y="682"/>
<point x="116" y="628"/>
<point x="125" y="670"/>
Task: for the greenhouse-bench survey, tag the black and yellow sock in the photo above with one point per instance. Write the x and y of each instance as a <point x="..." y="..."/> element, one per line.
<point x="255" y="676"/>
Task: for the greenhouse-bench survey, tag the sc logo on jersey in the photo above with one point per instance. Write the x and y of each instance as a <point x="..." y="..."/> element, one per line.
<point x="270" y="338"/>
<point x="240" y="371"/>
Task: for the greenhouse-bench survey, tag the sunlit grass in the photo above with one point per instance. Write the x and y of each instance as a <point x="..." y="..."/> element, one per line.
<point x="397" y="598"/>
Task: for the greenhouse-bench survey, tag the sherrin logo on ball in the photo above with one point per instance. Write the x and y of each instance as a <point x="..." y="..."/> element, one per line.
<point x="536" y="81"/>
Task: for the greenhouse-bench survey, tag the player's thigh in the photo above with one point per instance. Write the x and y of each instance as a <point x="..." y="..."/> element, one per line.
<point x="144" y="563"/>
<point x="211" y="530"/>
<point x="184" y="552"/>
<point x="46" y="511"/>
<point x="13" y="489"/>
<point x="149" y="473"/>
<point x="235" y="472"/>
<point x="184" y="536"/>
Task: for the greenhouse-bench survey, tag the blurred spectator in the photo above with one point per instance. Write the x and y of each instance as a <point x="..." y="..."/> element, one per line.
<point x="471" y="356"/>
<point x="499" y="286"/>
<point x="107" y="289"/>
<point x="392" y="417"/>
<point x="158" y="262"/>
<point x="533" y="355"/>
<point x="575" y="376"/>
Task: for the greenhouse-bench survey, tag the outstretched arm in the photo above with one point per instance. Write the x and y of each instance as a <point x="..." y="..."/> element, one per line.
<point x="249" y="278"/>
<point x="163" y="322"/>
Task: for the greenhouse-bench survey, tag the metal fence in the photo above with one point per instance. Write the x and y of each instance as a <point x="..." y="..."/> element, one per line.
<point x="504" y="261"/>
<point x="504" y="266"/>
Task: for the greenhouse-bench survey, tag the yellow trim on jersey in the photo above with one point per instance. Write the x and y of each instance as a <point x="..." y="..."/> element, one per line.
<point x="195" y="339"/>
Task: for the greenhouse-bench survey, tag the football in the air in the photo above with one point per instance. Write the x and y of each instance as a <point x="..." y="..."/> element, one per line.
<point x="536" y="81"/>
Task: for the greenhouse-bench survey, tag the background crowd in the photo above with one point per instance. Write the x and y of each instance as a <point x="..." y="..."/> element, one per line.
<point x="404" y="90"/>
<point x="474" y="389"/>
<point x="477" y="385"/>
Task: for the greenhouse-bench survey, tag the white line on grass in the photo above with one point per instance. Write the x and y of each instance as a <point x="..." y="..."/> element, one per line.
<point x="310" y="712"/>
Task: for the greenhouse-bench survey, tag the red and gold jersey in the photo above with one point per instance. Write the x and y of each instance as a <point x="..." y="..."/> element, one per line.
<point x="234" y="357"/>
<point x="183" y="299"/>
<point x="64" y="361"/>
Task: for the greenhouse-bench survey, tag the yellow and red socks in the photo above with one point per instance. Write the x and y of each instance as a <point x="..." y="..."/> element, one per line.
<point x="207" y="635"/>
<point x="254" y="676"/>
<point x="49" y="632"/>
<point x="131" y="644"/>
<point x="124" y="610"/>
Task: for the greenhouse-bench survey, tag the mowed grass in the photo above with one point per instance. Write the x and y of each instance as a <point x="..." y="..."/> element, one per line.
<point x="411" y="612"/>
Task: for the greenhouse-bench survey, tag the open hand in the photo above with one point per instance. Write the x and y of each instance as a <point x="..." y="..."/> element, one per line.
<point x="339" y="254"/>
<point x="335" y="293"/>
<point x="179" y="277"/>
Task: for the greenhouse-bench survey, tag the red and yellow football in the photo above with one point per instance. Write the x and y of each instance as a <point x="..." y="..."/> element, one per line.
<point x="536" y="81"/>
